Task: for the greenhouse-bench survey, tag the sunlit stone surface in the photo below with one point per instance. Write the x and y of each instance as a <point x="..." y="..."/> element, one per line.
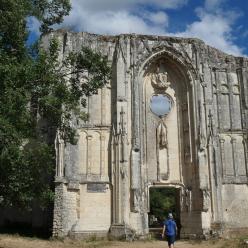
<point x="196" y="142"/>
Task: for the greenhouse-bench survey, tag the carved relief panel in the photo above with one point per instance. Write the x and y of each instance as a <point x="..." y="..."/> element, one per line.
<point x="227" y="155"/>
<point x="233" y="158"/>
<point x="228" y="100"/>
<point x="99" y="107"/>
<point x="240" y="159"/>
<point x="215" y="105"/>
<point x="225" y="105"/>
<point x="235" y="104"/>
<point x="221" y="90"/>
<point x="92" y="153"/>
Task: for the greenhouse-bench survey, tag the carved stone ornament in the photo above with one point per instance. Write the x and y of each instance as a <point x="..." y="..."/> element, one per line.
<point x="162" y="135"/>
<point x="206" y="199"/>
<point x="159" y="80"/>
<point x="188" y="200"/>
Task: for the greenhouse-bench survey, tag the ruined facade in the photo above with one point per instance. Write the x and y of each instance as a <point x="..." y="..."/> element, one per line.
<point x="175" y="114"/>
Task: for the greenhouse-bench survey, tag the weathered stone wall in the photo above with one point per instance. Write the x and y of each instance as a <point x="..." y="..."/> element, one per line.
<point x="200" y="146"/>
<point x="235" y="201"/>
<point x="94" y="210"/>
<point x="65" y="209"/>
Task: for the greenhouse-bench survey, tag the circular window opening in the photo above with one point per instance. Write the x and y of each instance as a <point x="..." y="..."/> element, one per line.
<point x="161" y="105"/>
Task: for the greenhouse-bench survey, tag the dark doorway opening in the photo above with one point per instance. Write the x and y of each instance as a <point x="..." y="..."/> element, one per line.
<point x="163" y="200"/>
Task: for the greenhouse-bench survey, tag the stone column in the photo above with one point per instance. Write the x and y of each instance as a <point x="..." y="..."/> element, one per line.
<point x="235" y="169"/>
<point x="103" y="106"/>
<point x="222" y="151"/>
<point x="89" y="155"/>
<point x="102" y="156"/>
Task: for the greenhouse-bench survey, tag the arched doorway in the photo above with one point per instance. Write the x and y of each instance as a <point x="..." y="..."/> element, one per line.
<point x="162" y="201"/>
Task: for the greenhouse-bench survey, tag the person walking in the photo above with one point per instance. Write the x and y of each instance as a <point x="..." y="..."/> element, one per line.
<point x="170" y="229"/>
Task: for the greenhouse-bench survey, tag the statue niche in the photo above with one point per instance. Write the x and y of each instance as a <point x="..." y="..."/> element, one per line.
<point x="162" y="152"/>
<point x="162" y="136"/>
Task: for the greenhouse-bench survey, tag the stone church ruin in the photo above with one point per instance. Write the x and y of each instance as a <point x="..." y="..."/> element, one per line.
<point x="174" y="115"/>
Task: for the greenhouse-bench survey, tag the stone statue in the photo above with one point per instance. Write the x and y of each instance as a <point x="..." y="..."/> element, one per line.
<point x="162" y="136"/>
<point x="188" y="202"/>
<point x="159" y="80"/>
<point x="162" y="152"/>
<point x="59" y="147"/>
<point x="206" y="199"/>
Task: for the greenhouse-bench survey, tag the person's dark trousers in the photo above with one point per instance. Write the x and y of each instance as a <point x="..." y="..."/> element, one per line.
<point x="170" y="239"/>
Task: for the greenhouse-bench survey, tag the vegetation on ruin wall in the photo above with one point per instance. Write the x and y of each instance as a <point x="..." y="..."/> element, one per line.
<point x="35" y="99"/>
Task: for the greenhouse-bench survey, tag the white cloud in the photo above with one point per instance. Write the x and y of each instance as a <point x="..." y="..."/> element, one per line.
<point x="119" y="22"/>
<point x="114" y="21"/>
<point x="158" y="18"/>
<point x="215" y="30"/>
<point x="120" y="16"/>
<point x="213" y="4"/>
<point x="214" y="26"/>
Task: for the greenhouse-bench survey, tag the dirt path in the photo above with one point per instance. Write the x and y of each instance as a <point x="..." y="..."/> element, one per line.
<point x="14" y="241"/>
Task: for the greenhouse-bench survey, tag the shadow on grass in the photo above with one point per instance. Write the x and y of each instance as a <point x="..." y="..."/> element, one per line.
<point x="26" y="230"/>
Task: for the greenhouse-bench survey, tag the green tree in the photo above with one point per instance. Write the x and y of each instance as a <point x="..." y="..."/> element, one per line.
<point x="162" y="202"/>
<point x="35" y="99"/>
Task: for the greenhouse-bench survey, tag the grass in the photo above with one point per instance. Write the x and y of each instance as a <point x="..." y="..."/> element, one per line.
<point x="16" y="240"/>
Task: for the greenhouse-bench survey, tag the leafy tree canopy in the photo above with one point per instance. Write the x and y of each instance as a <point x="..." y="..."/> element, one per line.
<point x="35" y="99"/>
<point x="162" y="202"/>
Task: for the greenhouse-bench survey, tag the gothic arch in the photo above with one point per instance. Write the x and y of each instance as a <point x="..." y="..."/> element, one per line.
<point x="181" y="129"/>
<point x="191" y="75"/>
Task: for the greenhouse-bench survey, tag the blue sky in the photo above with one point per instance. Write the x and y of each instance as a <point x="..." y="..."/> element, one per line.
<point x="220" y="23"/>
